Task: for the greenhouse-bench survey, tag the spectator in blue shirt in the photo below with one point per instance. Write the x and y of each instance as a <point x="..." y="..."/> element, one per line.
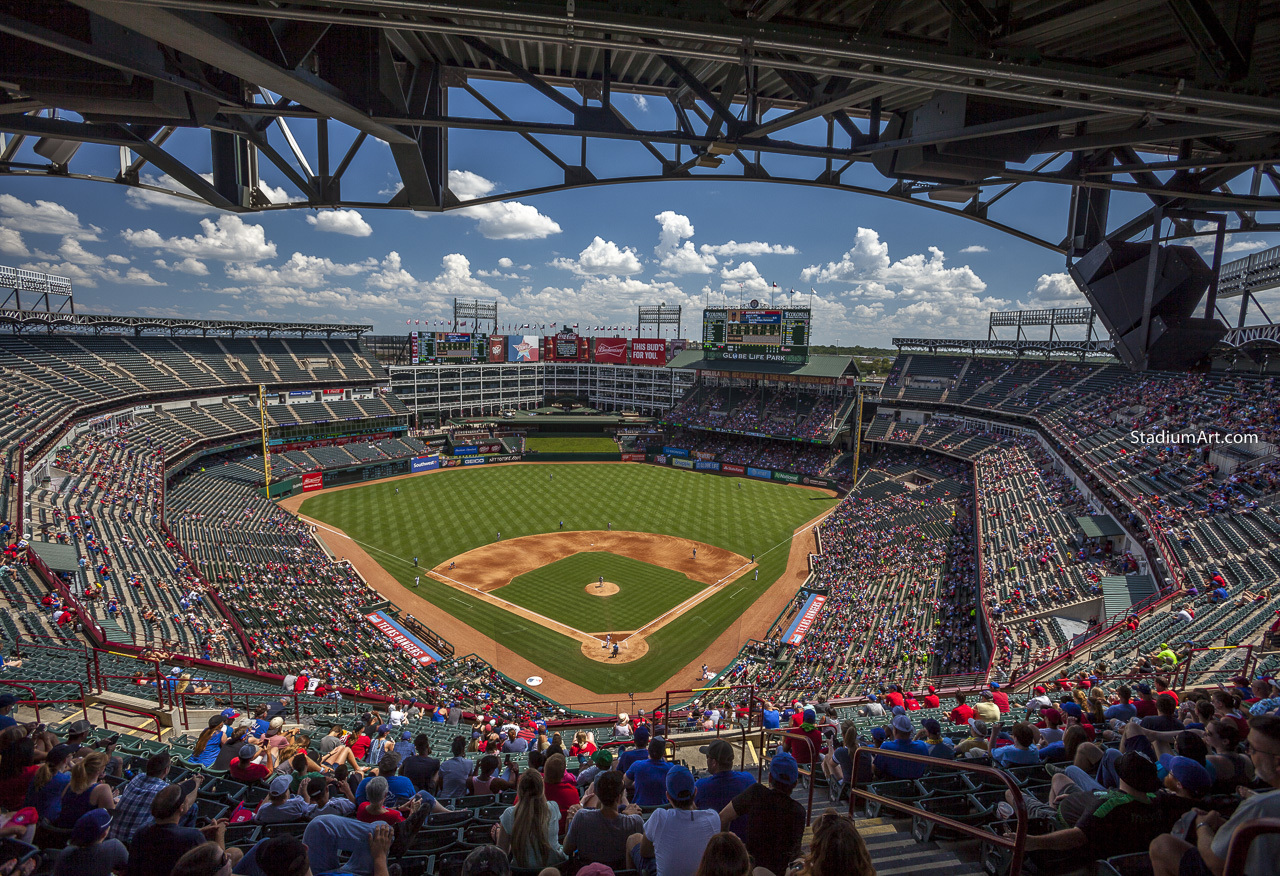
<point x="400" y="789"/>
<point x="1021" y="752"/>
<point x="770" y="717"/>
<point x="722" y="783"/>
<point x="648" y="778"/>
<point x="900" y="769"/>
<point x="638" y="753"/>
<point x="939" y="746"/>
<point x="1123" y="710"/>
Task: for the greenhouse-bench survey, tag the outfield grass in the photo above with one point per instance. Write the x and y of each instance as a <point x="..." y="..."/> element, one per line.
<point x="584" y="444"/>
<point x="556" y="590"/>
<point x="441" y="514"/>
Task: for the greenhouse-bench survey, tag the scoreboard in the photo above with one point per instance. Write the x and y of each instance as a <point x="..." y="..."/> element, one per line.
<point x="756" y="334"/>
<point x="431" y="347"/>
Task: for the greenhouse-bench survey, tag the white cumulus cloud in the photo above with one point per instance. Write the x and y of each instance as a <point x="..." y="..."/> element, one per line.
<point x="501" y="220"/>
<point x="11" y="243"/>
<point x="229" y="238"/>
<point x="674" y="256"/>
<point x="43" y="217"/>
<point x="975" y="247"/>
<point x="602" y="257"/>
<point x="733" y="249"/>
<point x="348" y="222"/>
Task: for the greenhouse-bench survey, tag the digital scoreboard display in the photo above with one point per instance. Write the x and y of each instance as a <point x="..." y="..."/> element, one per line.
<point x="756" y="334"/>
<point x="433" y="347"/>
<point x="566" y="347"/>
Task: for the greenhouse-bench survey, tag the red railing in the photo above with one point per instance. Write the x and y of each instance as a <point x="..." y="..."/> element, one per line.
<point x="108" y="709"/>
<point x="36" y="701"/>
<point x="1017" y="844"/>
<point x="19" y="518"/>
<point x="55" y="583"/>
<point x="1242" y="839"/>
<point x="666" y="699"/>
<point x="179" y="700"/>
<point x="1184" y="668"/>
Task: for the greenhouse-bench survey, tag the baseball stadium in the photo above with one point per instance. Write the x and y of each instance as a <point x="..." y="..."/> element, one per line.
<point x="315" y="565"/>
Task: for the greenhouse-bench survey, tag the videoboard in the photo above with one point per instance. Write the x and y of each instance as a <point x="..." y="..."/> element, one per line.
<point x="429" y="347"/>
<point x="756" y="334"/>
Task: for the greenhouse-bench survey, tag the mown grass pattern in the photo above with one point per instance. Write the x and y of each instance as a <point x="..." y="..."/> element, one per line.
<point x="441" y="514"/>
<point x="570" y="444"/>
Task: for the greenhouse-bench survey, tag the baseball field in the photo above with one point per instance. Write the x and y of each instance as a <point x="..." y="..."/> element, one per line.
<point x="586" y="551"/>
<point x="570" y="444"/>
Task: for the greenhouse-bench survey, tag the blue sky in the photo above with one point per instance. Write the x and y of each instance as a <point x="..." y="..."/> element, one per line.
<point x="588" y="256"/>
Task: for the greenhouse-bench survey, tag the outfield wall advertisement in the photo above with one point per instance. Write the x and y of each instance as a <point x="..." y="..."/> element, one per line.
<point x="312" y="480"/>
<point x="669" y="458"/>
<point x="676" y="451"/>
<point x="424" y="463"/>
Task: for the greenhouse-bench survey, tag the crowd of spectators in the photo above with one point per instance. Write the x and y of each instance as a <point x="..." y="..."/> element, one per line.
<point x="783" y="412"/>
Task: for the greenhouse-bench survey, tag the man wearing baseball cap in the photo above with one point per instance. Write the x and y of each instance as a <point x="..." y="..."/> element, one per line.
<point x="722" y="783"/>
<point x="931" y="700"/>
<point x="894" y="768"/>
<point x="281" y="805"/>
<point x="640" y="752"/>
<point x="244" y="768"/>
<point x="133" y="812"/>
<point x="1123" y="822"/>
<point x="775" y="822"/>
<point x="648" y="777"/>
<point x="674" y="839"/>
<point x="155" y="849"/>
<point x="88" y="850"/>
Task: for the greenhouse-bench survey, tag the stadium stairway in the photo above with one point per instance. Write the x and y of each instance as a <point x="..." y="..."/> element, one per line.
<point x="893" y="850"/>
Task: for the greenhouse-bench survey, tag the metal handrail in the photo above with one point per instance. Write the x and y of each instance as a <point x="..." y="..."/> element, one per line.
<point x="1018" y="843"/>
<point x="1241" y="840"/>
<point x="813" y="764"/>
<point x="128" y="710"/>
<point x="36" y="702"/>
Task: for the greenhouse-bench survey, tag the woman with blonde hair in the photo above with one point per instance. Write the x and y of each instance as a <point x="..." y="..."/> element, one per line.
<point x="837" y="850"/>
<point x="529" y="831"/>
<point x="85" y="791"/>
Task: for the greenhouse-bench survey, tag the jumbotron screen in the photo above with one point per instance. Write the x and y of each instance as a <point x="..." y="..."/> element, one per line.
<point x="756" y="334"/>
<point x="431" y="347"/>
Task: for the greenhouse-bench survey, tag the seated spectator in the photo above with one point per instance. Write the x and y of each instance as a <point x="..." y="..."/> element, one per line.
<point x="600" y="835"/>
<point x="939" y="746"/>
<point x="85" y="791"/>
<point x="375" y="808"/>
<point x="674" y="839"/>
<point x="157" y="847"/>
<point x="487" y="782"/>
<point x="721" y="783"/>
<point x="528" y="831"/>
<point x="640" y="752"/>
<point x="986" y="708"/>
<point x="775" y="822"/>
<point x="400" y="789"/>
<point x="133" y="812"/>
<point x="893" y="768"/>
<point x="420" y="767"/>
<point x="963" y="712"/>
<point x="514" y="744"/>
<point x="451" y="778"/>
<point x="1171" y="856"/>
<point x="249" y="765"/>
<point x="1165" y="719"/>
<point x="50" y="781"/>
<point x="648" y="777"/>
<point x="1021" y="753"/>
<point x="281" y="805"/>
<point x="88" y="851"/>
<point x="1123" y="822"/>
<point x="726" y="855"/>
<point x="837" y="849"/>
<point x="560" y="788"/>
<point x="17" y="769"/>
<point x="979" y="733"/>
<point x="1124" y="709"/>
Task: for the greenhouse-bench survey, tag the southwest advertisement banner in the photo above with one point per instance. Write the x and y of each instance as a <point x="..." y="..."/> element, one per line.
<point x="610" y="351"/>
<point x="523" y="348"/>
<point x="406" y="641"/>
<point x="312" y="480"/>
<point x="497" y="348"/>
<point x="648" y="351"/>
<point x="804" y="620"/>
<point x="424" y="463"/>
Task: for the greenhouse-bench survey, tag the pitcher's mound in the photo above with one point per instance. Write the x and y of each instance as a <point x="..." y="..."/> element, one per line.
<point x="632" y="649"/>
<point x="608" y="588"/>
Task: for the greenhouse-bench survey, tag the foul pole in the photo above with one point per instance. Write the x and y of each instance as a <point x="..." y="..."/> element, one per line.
<point x="266" y="453"/>
<point x="857" y="438"/>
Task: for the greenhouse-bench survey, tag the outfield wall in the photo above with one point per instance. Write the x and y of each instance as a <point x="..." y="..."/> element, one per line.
<point x="715" y="466"/>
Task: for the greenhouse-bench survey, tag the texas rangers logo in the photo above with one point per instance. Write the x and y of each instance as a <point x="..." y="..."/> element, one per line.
<point x="525" y="351"/>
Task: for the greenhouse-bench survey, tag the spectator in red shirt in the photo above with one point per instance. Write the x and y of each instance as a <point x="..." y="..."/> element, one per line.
<point x="374" y="809"/>
<point x="894" y="697"/>
<point x="1162" y="687"/>
<point x="560" y="787"/>
<point x="962" y="713"/>
<point x="931" y="699"/>
<point x="243" y="769"/>
<point x="1146" y="703"/>
<point x="999" y="697"/>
